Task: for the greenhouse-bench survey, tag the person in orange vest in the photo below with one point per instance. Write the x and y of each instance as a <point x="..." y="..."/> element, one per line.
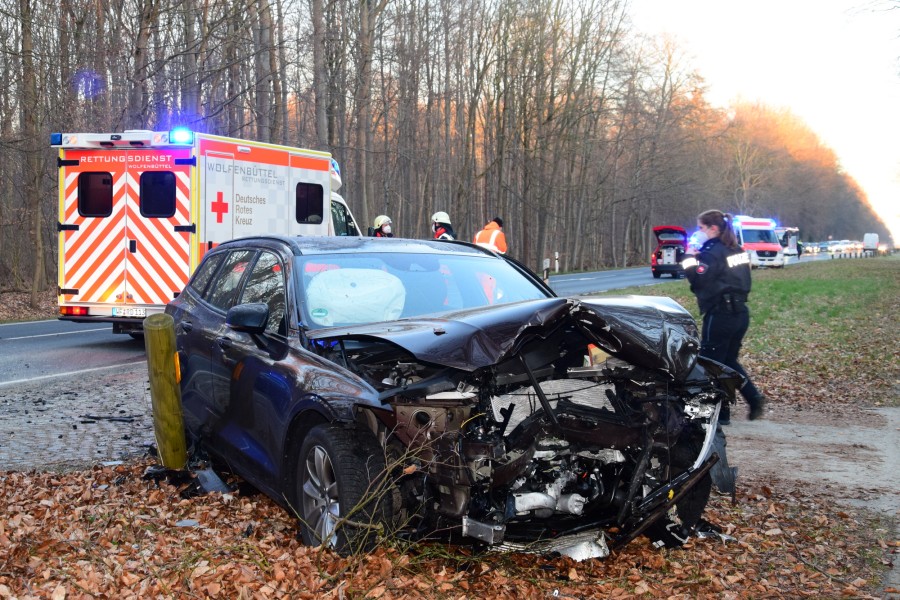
<point x="492" y="236"/>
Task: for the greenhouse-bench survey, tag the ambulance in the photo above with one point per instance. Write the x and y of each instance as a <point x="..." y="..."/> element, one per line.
<point x="138" y="209"/>
<point x="757" y="236"/>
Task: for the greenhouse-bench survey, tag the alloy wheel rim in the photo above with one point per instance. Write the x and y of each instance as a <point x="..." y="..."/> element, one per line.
<point x="321" y="505"/>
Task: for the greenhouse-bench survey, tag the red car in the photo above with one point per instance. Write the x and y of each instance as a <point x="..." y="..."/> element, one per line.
<point x="670" y="250"/>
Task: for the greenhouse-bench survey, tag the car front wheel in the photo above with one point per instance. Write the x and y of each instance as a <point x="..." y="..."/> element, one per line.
<point x="339" y="491"/>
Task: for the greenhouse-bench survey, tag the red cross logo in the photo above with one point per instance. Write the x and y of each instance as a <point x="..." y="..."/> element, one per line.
<point x="220" y="207"/>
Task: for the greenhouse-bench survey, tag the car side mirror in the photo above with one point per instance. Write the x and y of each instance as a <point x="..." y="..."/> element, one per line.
<point x="250" y="318"/>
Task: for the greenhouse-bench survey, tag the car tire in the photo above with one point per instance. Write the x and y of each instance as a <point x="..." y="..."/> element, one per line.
<point x="339" y="494"/>
<point x="656" y="274"/>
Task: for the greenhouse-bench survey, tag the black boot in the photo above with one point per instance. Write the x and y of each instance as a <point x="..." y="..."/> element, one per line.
<point x="725" y="414"/>
<point x="757" y="408"/>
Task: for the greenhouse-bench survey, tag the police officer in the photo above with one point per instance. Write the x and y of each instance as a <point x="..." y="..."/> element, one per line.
<point x="720" y="278"/>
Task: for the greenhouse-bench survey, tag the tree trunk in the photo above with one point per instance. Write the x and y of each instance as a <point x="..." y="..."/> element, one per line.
<point x="261" y="18"/>
<point x="32" y="175"/>
<point x="320" y="83"/>
<point x="139" y="95"/>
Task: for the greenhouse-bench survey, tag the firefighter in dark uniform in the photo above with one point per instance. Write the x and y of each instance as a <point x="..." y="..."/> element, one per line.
<point x="720" y="278"/>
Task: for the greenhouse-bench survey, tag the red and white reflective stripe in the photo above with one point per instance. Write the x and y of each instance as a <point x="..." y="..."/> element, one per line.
<point x="97" y="260"/>
<point x="161" y="264"/>
<point x="95" y="237"/>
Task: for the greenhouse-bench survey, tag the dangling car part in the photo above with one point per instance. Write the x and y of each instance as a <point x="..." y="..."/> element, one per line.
<point x="422" y="388"/>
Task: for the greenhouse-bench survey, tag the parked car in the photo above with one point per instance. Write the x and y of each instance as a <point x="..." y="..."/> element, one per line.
<point x="670" y="251"/>
<point x="400" y="387"/>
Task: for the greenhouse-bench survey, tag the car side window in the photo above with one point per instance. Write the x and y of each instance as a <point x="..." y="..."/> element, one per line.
<point x="205" y="273"/>
<point x="266" y="284"/>
<point x="223" y="291"/>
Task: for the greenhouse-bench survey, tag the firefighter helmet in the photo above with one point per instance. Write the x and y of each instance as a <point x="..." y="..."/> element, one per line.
<point x="440" y="217"/>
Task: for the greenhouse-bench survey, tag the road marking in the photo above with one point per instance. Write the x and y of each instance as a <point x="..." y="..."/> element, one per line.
<point x="27" y="322"/>
<point x="70" y="373"/>
<point x="28" y="337"/>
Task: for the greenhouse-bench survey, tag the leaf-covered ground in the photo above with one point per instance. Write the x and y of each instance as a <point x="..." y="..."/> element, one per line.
<point x="16" y="306"/>
<point x="109" y="533"/>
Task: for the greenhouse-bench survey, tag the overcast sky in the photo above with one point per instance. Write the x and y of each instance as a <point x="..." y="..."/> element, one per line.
<point x="833" y="63"/>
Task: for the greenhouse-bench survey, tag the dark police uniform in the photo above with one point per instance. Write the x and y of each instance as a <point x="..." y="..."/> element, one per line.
<point x="720" y="278"/>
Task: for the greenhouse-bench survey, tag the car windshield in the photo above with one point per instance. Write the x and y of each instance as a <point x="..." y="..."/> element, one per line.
<point x="360" y="288"/>
<point x="759" y="235"/>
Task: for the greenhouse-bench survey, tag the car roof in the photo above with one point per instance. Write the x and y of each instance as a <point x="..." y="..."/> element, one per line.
<point x="315" y="245"/>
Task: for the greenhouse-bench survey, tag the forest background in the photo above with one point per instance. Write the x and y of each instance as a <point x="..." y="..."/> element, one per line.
<point x="554" y="114"/>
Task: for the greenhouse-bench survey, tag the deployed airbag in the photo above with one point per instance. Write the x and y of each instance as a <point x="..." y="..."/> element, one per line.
<point x="353" y="296"/>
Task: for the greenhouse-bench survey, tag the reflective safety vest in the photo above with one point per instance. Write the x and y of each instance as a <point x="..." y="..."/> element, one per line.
<point x="492" y="238"/>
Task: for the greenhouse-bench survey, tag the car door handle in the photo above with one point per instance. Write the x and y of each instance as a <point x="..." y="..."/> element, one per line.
<point x="227" y="344"/>
<point x="186" y="326"/>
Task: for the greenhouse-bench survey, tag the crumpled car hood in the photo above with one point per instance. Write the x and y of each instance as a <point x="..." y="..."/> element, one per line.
<point x="651" y="332"/>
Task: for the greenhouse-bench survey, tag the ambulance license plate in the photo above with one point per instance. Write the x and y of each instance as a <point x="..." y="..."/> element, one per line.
<point x="129" y="311"/>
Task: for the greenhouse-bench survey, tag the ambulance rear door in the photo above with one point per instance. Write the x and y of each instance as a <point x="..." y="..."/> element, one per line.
<point x="125" y="229"/>
<point x="92" y="227"/>
<point x="158" y="227"/>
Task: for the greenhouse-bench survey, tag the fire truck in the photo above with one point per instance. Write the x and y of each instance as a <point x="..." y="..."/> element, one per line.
<point x="138" y="209"/>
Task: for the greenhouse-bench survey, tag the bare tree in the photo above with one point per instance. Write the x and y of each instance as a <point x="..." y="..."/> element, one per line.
<point x="548" y="113"/>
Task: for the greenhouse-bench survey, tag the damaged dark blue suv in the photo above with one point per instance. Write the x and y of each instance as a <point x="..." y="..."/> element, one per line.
<point x="389" y="387"/>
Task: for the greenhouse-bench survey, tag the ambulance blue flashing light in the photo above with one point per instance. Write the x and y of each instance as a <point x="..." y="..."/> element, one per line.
<point x="181" y="135"/>
<point x="55" y="139"/>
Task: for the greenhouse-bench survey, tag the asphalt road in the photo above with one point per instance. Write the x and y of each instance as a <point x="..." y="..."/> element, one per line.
<point x="601" y="281"/>
<point x="44" y="350"/>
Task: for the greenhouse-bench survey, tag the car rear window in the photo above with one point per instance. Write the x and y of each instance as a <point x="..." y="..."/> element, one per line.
<point x="224" y="290"/>
<point x="671" y="237"/>
<point x="204" y="273"/>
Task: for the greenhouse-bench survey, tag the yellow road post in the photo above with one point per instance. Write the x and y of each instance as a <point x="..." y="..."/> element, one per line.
<point x="165" y="393"/>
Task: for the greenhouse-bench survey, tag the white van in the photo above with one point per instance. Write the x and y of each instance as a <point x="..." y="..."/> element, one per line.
<point x="870" y="244"/>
